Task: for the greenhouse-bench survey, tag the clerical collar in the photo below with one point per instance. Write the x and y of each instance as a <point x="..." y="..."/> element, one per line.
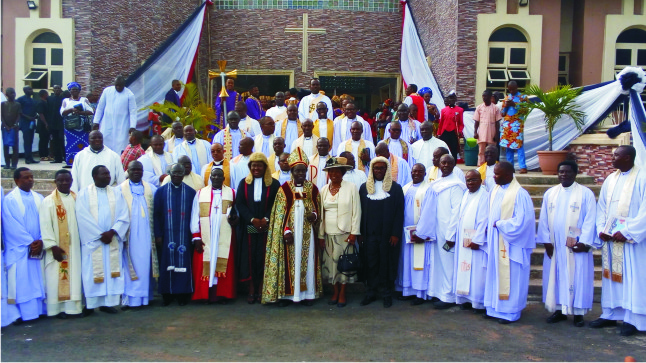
<point x="284" y="172"/>
<point x="476" y="190"/>
<point x="218" y="162"/>
<point x="218" y="189"/>
<point x="568" y="188"/>
<point x="133" y="183"/>
<point x="24" y="192"/>
<point x="626" y="172"/>
<point x="95" y="151"/>
<point x="315" y="93"/>
<point x="267" y="136"/>
<point x="191" y="142"/>
<point x="234" y="130"/>
<point x="431" y="138"/>
<point x="323" y="156"/>
<point x="100" y="188"/>
<point x="355" y="141"/>
<point x="307" y="138"/>
<point x="352" y="120"/>
<point x="68" y="193"/>
<point x="418" y="184"/>
<point x="176" y="186"/>
<point x="292" y="120"/>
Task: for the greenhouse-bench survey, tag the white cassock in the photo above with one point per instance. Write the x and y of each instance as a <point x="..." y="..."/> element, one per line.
<point x="193" y="180"/>
<point x="250" y="126"/>
<point x="342" y="130"/>
<point x="298" y="215"/>
<point x="236" y="136"/>
<point x="239" y="168"/>
<point x="283" y="176"/>
<point x="308" y="144"/>
<point x="353" y="147"/>
<point x="572" y="287"/>
<point x="155" y="166"/>
<point x="356" y="177"/>
<point x="291" y="133"/>
<point x="264" y="144"/>
<point x="441" y="202"/>
<point x="99" y="210"/>
<point x="436" y="173"/>
<point x="410" y="130"/>
<point x="199" y="151"/>
<point x="625" y="300"/>
<point x="277" y="113"/>
<point x="169" y="145"/>
<point x="307" y="106"/>
<point x="315" y="172"/>
<point x="21" y="227"/>
<point x="414" y="258"/>
<point x="518" y="235"/>
<point x="403" y="170"/>
<point x="470" y="266"/>
<point x="68" y="298"/>
<point x="395" y="147"/>
<point x="488" y="182"/>
<point x="9" y="312"/>
<point x="139" y="252"/>
<point x="87" y="159"/>
<point x="117" y="114"/>
<point x="422" y="151"/>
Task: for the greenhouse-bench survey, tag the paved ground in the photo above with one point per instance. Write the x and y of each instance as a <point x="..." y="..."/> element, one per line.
<point x="240" y="332"/>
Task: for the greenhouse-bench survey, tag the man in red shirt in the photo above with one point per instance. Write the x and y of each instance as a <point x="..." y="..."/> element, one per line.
<point x="451" y="124"/>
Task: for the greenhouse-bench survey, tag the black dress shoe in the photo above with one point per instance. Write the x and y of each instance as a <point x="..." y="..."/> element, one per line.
<point x="62" y="316"/>
<point x="480" y="311"/>
<point x="108" y="309"/>
<point x="556" y="317"/>
<point x="485" y="316"/>
<point x="284" y="303"/>
<point x="578" y="321"/>
<point x="466" y="306"/>
<point x="417" y="301"/>
<point x="602" y="323"/>
<point x="388" y="301"/>
<point x="627" y="330"/>
<point x="405" y="298"/>
<point x="441" y="305"/>
<point x="367" y="300"/>
<point x="18" y="321"/>
<point x="332" y="302"/>
<point x="341" y="305"/>
<point x="504" y="322"/>
<point x="87" y="312"/>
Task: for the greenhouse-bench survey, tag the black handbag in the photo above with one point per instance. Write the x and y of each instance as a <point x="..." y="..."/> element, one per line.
<point x="349" y="263"/>
<point x="76" y="122"/>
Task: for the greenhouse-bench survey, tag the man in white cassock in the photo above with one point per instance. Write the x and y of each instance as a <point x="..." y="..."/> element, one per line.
<point x="567" y="230"/>
<point x="240" y="164"/>
<point x="199" y="151"/>
<point x="139" y="253"/>
<point x="435" y="172"/>
<point x="412" y="278"/>
<point x="510" y="238"/>
<point x="307" y="141"/>
<point x="410" y="128"/>
<point x="96" y="154"/>
<point x="290" y="128"/>
<point x="116" y="115"/>
<point x="470" y="263"/>
<point x="191" y="179"/>
<point x="9" y="312"/>
<point x="264" y="142"/>
<point x="397" y="145"/>
<point x="230" y="136"/>
<point x="283" y="174"/>
<point x="441" y="203"/>
<point x="355" y="176"/>
<point x="278" y="112"/>
<point x="362" y="149"/>
<point x="315" y="172"/>
<point x="323" y="126"/>
<point x="62" y="245"/>
<point x="177" y="129"/>
<point x="219" y="162"/>
<point x="156" y="161"/>
<point x="23" y="247"/>
<point x="248" y="125"/>
<point x="623" y="197"/>
<point x="343" y="126"/>
<point x="103" y="221"/>
<point x="307" y="106"/>
<point x="491" y="155"/>
<point x="398" y="167"/>
<point x="422" y="150"/>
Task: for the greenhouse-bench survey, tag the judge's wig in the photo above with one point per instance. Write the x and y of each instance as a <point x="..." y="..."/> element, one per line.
<point x="259" y="157"/>
<point x="388" y="179"/>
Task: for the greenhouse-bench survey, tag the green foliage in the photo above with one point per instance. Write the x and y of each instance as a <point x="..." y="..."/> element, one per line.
<point x="555" y="104"/>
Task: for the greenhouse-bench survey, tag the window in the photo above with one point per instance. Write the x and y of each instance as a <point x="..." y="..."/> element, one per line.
<point x="564" y="69"/>
<point x="46" y="68"/>
<point x="508" y="59"/>
<point x="630" y="50"/>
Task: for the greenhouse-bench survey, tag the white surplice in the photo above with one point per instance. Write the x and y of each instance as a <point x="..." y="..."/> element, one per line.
<point x="155" y="166"/>
<point x="236" y="136"/>
<point x="422" y="151"/>
<point x="291" y="132"/>
<point x="117" y="114"/>
<point x="277" y="113"/>
<point x="354" y="149"/>
<point x="87" y="159"/>
<point x="264" y="144"/>
<point x="239" y="169"/>
<point x="356" y="177"/>
<point x="409" y="133"/>
<point x="342" y="131"/>
<point x="307" y="106"/>
<point x="199" y="152"/>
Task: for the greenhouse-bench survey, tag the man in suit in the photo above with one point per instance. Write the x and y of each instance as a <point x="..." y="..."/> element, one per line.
<point x="173" y="94"/>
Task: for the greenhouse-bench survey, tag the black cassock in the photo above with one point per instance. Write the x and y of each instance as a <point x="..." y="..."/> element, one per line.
<point x="381" y="219"/>
<point x="251" y="246"/>
<point x="172" y="222"/>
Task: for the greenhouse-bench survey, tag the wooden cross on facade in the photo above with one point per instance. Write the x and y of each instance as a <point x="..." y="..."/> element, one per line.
<point x="305" y="31"/>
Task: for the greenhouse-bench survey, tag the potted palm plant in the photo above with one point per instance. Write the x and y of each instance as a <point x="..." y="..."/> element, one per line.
<point x="555" y="104"/>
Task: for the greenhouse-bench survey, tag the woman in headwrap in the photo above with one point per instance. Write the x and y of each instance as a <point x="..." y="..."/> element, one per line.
<point x="75" y="111"/>
<point x="433" y="112"/>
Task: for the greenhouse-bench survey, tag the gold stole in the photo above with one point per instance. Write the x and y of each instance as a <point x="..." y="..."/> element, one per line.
<point x="225" y="169"/>
<point x="283" y="128"/>
<point x="362" y="145"/>
<point x="432" y="174"/>
<point x="403" y="145"/>
<point x="482" y="169"/>
<point x="281" y="116"/>
<point x="201" y="153"/>
<point x="154" y="160"/>
<point x="148" y="195"/>
<point x="394" y="167"/>
<point x="506" y="212"/>
<point x="419" y="249"/>
<point x="171" y="143"/>
<point x="330" y="129"/>
<point x="228" y="145"/>
<point x="613" y="262"/>
<point x="259" y="141"/>
<point x="97" y="254"/>
<point x="64" y="243"/>
<point x="272" y="162"/>
<point x="205" y="199"/>
<point x="315" y="102"/>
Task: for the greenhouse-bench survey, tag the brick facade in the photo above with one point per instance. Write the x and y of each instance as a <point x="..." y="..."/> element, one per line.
<point x="594" y="160"/>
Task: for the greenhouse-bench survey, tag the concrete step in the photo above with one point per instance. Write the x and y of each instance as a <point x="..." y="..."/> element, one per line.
<point x="539" y="252"/>
<point x="42" y="186"/>
<point x="540" y="189"/>
<point x="536" y="290"/>
<point x="536" y="272"/>
<point x="47" y="174"/>
<point x="539" y="178"/>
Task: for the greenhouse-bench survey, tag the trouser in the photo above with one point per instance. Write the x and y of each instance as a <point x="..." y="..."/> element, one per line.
<point x="58" y="144"/>
<point x="451" y="139"/>
<point x="27" y="140"/>
<point x="521" y="156"/>
<point x="43" y="143"/>
<point x="13" y="161"/>
<point x="481" y="149"/>
<point x="378" y="264"/>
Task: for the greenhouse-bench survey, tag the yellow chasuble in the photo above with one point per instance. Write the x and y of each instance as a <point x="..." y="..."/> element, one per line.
<point x="283" y="128"/>
<point x="228" y="144"/>
<point x="64" y="243"/>
<point x="225" y="169"/>
<point x="114" y="250"/>
<point x="362" y="146"/>
<point x="330" y="130"/>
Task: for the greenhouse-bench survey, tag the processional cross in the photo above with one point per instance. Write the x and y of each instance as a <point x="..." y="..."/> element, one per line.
<point x="305" y="30"/>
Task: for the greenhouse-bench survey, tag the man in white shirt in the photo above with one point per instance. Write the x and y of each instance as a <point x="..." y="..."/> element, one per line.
<point x="116" y="115"/>
<point x="357" y="177"/>
<point x="156" y="161"/>
<point x="176" y="139"/>
<point x="410" y="127"/>
<point x="363" y="150"/>
<point x="250" y="126"/>
<point x="197" y="150"/>
<point x="96" y="154"/>
<point x="290" y="128"/>
<point x="240" y="164"/>
<point x="307" y="141"/>
<point x="230" y="136"/>
<point x="278" y="112"/>
<point x="342" y="125"/>
<point x="323" y="126"/>
<point x="264" y="142"/>
<point x="397" y="145"/>
<point x="307" y="106"/>
<point x="423" y="149"/>
<point x="315" y="172"/>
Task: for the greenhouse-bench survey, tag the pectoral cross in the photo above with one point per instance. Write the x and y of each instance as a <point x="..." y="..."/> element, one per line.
<point x="504" y="250"/>
<point x="217" y="208"/>
<point x="574" y="207"/>
<point x="551" y="207"/>
<point x="305" y="30"/>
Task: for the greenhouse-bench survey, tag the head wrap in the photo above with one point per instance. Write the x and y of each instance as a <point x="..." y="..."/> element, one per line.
<point x="292" y="101"/>
<point x="388" y="179"/>
<point x="297" y="157"/>
<point x="345" y="95"/>
<point x="424" y="91"/>
<point x="73" y="84"/>
<point x="336" y="99"/>
<point x="259" y="157"/>
<point x="388" y="103"/>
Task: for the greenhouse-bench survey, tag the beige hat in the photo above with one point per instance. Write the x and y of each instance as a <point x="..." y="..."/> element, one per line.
<point x="338" y="162"/>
